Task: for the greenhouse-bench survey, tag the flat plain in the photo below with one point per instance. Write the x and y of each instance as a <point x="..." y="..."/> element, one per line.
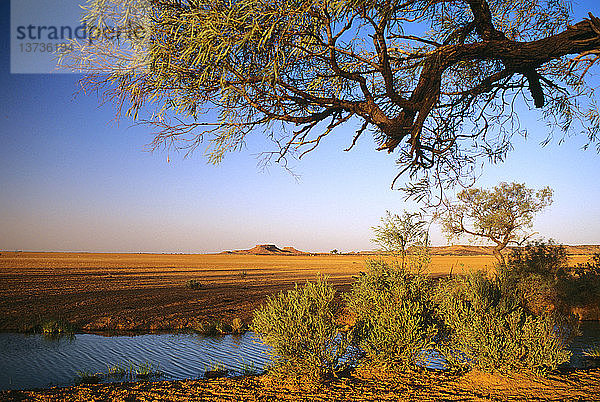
<point x="147" y="292"/>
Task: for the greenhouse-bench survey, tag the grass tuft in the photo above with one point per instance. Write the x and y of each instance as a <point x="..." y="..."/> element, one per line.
<point x="56" y="327"/>
<point x="116" y="370"/>
<point x="146" y="370"/>
<point x="86" y="377"/>
<point x="193" y="284"/>
<point x="593" y="352"/>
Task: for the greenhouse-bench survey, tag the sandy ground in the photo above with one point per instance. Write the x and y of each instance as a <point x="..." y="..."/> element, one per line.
<point x="361" y="386"/>
<point x="147" y="292"/>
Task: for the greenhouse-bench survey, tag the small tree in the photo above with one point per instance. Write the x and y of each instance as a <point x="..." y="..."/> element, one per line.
<point x="398" y="233"/>
<point x="501" y="215"/>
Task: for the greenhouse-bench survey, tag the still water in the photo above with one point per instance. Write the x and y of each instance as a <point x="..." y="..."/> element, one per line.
<point x="32" y="361"/>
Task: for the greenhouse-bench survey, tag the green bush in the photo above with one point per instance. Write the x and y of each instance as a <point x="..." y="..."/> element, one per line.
<point x="548" y="260"/>
<point x="582" y="288"/>
<point x="396" y="322"/>
<point x="533" y="273"/>
<point x="490" y="329"/>
<point x="56" y="328"/>
<point x="300" y="326"/>
<point x="545" y="282"/>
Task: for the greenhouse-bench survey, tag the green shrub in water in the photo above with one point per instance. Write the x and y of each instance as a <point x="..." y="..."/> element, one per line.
<point x="300" y="326"/>
<point x="116" y="370"/>
<point x="56" y="327"/>
<point x="145" y="370"/>
<point x="86" y="377"/>
<point x="493" y="331"/>
<point x="396" y="322"/>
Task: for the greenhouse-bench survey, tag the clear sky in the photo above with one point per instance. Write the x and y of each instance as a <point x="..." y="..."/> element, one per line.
<point x="71" y="179"/>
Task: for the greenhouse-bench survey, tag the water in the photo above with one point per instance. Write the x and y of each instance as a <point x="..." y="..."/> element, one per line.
<point x="590" y="337"/>
<point x="32" y="361"/>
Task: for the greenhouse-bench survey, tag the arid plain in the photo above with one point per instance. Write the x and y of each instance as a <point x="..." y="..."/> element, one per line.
<point x="147" y="292"/>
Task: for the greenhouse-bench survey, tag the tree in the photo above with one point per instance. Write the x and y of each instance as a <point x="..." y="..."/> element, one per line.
<point x="501" y="215"/>
<point x="397" y="234"/>
<point x="436" y="81"/>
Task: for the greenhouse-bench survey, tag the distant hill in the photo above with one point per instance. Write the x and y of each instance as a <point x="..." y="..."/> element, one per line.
<point x="462" y="250"/>
<point x="456" y="250"/>
<point x="267" y="249"/>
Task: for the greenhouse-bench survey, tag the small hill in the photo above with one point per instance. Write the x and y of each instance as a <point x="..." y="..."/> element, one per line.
<point x="261" y="249"/>
<point x="293" y="250"/>
<point x="462" y="250"/>
<point x="267" y="249"/>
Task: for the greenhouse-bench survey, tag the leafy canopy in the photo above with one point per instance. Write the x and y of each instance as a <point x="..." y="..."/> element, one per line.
<point x="398" y="233"/>
<point x="436" y="81"/>
<point x="502" y="214"/>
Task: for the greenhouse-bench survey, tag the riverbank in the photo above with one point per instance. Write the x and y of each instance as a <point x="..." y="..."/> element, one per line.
<point x="364" y="385"/>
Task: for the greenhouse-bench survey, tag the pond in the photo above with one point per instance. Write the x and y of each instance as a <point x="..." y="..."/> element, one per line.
<point x="32" y="361"/>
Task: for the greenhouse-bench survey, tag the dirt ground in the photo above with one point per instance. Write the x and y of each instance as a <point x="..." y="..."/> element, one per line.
<point x="147" y="292"/>
<point x="361" y="386"/>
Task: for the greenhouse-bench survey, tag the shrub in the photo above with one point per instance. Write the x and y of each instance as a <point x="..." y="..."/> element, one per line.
<point x="582" y="289"/>
<point x="541" y="274"/>
<point x="533" y="273"/>
<point x="193" y="284"/>
<point x="300" y="326"/>
<point x="491" y="330"/>
<point x="395" y="317"/>
<point x="539" y="258"/>
<point x="56" y="328"/>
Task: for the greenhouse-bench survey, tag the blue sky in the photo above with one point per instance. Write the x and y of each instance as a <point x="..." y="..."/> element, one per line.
<point x="73" y="179"/>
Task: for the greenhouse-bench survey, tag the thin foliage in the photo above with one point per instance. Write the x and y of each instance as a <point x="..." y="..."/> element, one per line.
<point x="502" y="215"/>
<point x="437" y="82"/>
